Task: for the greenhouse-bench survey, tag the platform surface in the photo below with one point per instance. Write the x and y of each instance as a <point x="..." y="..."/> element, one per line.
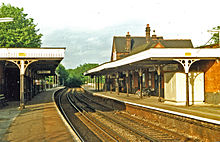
<point x="206" y="111"/>
<point x="39" y="121"/>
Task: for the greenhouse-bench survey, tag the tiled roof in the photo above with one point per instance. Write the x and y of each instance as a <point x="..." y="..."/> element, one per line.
<point x="170" y="43"/>
<point x="139" y="44"/>
<point x="120" y="43"/>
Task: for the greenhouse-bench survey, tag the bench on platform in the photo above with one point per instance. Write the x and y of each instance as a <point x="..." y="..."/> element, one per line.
<point x="3" y="101"/>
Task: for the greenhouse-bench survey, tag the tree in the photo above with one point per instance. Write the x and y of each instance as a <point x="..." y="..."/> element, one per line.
<point x="63" y="74"/>
<point x="21" y="32"/>
<point x="78" y="72"/>
<point x="73" y="81"/>
<point x="215" y="36"/>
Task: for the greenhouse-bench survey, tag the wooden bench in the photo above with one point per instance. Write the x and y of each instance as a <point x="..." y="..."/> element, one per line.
<point x="3" y="100"/>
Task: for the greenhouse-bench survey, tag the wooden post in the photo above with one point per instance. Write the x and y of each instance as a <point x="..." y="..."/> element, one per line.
<point x="159" y="85"/>
<point x="94" y="82"/>
<point x="106" y="83"/>
<point x="22" y="71"/>
<point x="117" y="83"/>
<point x="187" y="89"/>
<point x="127" y="81"/>
<point x="141" y="82"/>
<point x="110" y="81"/>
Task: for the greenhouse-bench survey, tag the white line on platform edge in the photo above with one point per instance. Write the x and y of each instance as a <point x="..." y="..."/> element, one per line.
<point x="75" y="137"/>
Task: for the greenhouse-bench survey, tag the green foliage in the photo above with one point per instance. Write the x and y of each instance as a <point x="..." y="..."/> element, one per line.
<point x="73" y="81"/>
<point x="74" y="77"/>
<point x="21" y="32"/>
<point x="78" y="72"/>
<point x="215" y="36"/>
<point x="63" y="74"/>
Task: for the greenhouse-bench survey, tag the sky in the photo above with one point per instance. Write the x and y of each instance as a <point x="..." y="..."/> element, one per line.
<point x="86" y="27"/>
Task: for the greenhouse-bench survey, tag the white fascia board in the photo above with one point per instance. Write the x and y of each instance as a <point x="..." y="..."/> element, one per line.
<point x="32" y="53"/>
<point x="161" y="53"/>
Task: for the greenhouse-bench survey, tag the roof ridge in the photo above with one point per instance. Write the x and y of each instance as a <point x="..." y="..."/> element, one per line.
<point x="176" y="39"/>
<point x="132" y="36"/>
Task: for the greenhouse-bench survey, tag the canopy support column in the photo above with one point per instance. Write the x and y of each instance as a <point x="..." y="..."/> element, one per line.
<point x="22" y="71"/>
<point x="127" y="81"/>
<point x="186" y="63"/>
<point x="98" y="83"/>
<point x="141" y="82"/>
<point x="117" y="83"/>
<point x="106" y="83"/>
<point x="110" y="83"/>
<point x="22" y="65"/>
<point x="159" y="83"/>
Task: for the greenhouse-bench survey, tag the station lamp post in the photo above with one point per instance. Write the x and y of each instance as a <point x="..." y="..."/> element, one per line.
<point x="216" y="31"/>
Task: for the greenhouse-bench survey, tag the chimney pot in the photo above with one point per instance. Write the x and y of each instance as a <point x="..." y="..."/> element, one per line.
<point x="128" y="42"/>
<point x="154" y="36"/>
<point x="147" y="33"/>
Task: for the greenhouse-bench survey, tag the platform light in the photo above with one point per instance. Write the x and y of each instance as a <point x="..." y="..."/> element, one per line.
<point x="6" y="19"/>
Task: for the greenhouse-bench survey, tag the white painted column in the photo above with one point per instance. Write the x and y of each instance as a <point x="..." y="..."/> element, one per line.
<point x="22" y="71"/>
<point x="186" y="63"/>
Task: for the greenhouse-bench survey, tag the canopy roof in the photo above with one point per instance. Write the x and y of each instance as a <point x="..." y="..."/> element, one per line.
<point x="43" y="60"/>
<point x="153" y="56"/>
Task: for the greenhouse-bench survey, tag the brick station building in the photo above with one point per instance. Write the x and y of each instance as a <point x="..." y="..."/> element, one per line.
<point x="179" y="73"/>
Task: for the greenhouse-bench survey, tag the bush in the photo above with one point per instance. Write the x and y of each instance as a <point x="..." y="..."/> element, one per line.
<point x="73" y="82"/>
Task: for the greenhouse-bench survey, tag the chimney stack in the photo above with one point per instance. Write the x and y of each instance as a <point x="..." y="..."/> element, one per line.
<point x="147" y="33"/>
<point x="128" y="42"/>
<point x="154" y="36"/>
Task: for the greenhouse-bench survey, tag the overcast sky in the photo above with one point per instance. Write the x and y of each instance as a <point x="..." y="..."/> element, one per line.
<point x="86" y="27"/>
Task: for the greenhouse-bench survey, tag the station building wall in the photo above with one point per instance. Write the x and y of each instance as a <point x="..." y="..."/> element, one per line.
<point x="211" y="71"/>
<point x="175" y="88"/>
<point x="212" y="83"/>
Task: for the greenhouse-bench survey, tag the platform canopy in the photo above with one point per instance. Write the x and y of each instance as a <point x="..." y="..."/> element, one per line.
<point x="157" y="56"/>
<point x="39" y="60"/>
<point x="31" y="61"/>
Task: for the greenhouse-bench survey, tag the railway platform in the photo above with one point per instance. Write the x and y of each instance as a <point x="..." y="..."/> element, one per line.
<point x="204" y="112"/>
<point x="39" y="121"/>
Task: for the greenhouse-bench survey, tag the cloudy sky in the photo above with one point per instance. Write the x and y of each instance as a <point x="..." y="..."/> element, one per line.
<point x="86" y="27"/>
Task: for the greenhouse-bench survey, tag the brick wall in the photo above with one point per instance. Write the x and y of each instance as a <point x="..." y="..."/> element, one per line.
<point x="212" y="78"/>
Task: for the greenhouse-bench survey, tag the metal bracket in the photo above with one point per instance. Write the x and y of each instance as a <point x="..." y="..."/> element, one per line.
<point x="186" y="63"/>
<point x="22" y="64"/>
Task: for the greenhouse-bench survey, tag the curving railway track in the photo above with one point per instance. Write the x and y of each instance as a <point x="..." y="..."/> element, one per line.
<point x="99" y="121"/>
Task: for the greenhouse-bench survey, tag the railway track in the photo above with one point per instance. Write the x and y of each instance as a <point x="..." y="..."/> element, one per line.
<point x="141" y="130"/>
<point x="96" y="121"/>
<point x="89" y="132"/>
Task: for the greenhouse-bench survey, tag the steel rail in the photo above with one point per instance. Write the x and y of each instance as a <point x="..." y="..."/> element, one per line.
<point x="66" y="117"/>
<point x="150" y="138"/>
<point x="80" y="111"/>
<point x="132" y="119"/>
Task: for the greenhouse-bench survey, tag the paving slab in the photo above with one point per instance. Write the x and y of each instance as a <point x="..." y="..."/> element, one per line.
<point x="206" y="111"/>
<point x="39" y="121"/>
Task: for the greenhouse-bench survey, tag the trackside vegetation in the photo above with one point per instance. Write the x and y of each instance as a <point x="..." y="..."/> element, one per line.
<point x="73" y="77"/>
